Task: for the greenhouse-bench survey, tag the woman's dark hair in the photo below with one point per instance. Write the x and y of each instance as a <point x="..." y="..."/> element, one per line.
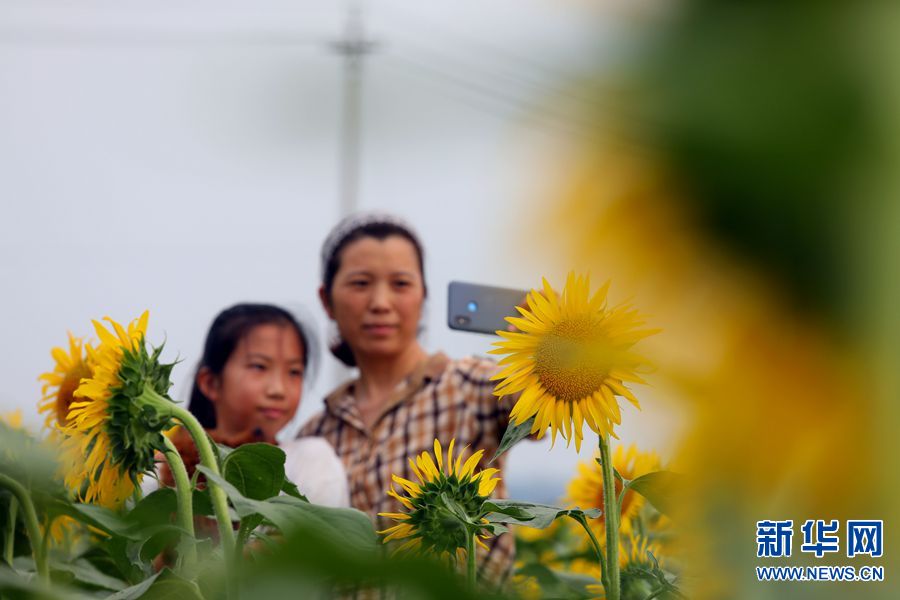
<point x="225" y="333"/>
<point x="344" y="234"/>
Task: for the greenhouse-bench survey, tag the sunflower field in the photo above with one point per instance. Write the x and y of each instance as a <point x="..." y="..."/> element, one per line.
<point x="78" y="521"/>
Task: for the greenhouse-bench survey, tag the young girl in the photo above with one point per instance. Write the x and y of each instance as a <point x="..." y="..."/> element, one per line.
<point x="248" y="387"/>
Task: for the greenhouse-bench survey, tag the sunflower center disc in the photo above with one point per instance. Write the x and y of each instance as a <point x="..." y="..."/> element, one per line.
<point x="572" y="361"/>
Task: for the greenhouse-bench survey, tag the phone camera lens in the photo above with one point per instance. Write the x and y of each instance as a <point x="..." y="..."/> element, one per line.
<point x="462" y="320"/>
<point x="472" y="306"/>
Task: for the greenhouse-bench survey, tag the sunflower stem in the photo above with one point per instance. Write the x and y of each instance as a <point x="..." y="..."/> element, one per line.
<point x="208" y="460"/>
<point x="45" y="541"/>
<point x="10" y="541"/>
<point x="29" y="517"/>
<point x="611" y="518"/>
<point x="470" y="558"/>
<point x="597" y="548"/>
<point x="185" y="501"/>
<point x="243" y="534"/>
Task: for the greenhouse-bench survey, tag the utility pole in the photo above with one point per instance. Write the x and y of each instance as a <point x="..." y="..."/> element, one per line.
<point x="354" y="47"/>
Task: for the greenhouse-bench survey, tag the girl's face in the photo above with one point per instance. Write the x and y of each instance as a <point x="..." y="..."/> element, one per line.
<point x="377" y="295"/>
<point x="261" y="383"/>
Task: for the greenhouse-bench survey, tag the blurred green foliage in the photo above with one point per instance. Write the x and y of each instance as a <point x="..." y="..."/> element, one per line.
<point x="766" y="113"/>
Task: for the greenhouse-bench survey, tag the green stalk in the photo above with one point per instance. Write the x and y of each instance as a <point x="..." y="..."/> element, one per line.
<point x="31" y="524"/>
<point x="208" y="460"/>
<point x="243" y="535"/>
<point x="596" y="545"/>
<point x="45" y="541"/>
<point x="611" y="516"/>
<point x="470" y="557"/>
<point x="10" y="541"/>
<point x="185" y="500"/>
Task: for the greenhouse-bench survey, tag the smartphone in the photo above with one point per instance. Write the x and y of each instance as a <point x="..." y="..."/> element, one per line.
<point x="481" y="308"/>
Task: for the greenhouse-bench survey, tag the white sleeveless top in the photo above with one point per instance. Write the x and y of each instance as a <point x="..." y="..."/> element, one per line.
<point x="318" y="473"/>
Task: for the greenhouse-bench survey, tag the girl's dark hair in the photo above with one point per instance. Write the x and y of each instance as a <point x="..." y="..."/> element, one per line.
<point x="226" y="331"/>
<point x="341" y="237"/>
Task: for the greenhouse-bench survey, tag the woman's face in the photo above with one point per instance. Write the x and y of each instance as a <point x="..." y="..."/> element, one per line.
<point x="261" y="383"/>
<point x="377" y="295"/>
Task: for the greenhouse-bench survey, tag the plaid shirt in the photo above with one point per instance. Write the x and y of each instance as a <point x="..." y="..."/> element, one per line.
<point x="442" y="399"/>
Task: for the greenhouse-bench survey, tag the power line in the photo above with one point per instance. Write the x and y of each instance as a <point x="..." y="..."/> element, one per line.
<point x="487" y="99"/>
<point x="579" y="123"/>
<point x="524" y="69"/>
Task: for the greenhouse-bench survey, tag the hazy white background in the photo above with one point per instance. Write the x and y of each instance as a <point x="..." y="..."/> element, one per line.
<point x="184" y="156"/>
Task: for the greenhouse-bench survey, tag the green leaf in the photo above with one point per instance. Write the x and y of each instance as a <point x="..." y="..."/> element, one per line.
<point x="352" y="527"/>
<point x="86" y="573"/>
<point x="349" y="526"/>
<point x="536" y="516"/>
<point x="292" y="490"/>
<point x="165" y="585"/>
<point x="154" y="509"/>
<point x="512" y="436"/>
<point x="222" y="451"/>
<point x="300" y="564"/>
<point x="660" y="488"/>
<point x="201" y="502"/>
<point x="119" y="555"/>
<point x="14" y="586"/>
<point x="158" y="539"/>
<point x="256" y="470"/>
<point x="101" y="518"/>
<point x="495" y="528"/>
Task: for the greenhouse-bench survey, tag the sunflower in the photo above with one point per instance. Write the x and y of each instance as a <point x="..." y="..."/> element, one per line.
<point x="111" y="435"/>
<point x="60" y="383"/>
<point x="570" y="359"/>
<point x="526" y="587"/>
<point x="12" y="419"/>
<point x="585" y="490"/>
<point x="634" y="561"/>
<point x="633" y="549"/>
<point x="595" y="591"/>
<point x="433" y="523"/>
<point x="639" y="546"/>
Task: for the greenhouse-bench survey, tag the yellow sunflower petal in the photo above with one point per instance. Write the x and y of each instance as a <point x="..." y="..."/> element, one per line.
<point x="570" y="358"/>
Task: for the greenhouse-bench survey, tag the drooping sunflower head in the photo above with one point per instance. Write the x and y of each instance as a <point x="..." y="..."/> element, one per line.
<point x="585" y="490"/>
<point x="60" y="383"/>
<point x="112" y="430"/>
<point x="570" y="359"/>
<point x="448" y="494"/>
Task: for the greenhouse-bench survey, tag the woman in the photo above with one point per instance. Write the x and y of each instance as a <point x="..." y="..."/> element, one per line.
<point x="373" y="288"/>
